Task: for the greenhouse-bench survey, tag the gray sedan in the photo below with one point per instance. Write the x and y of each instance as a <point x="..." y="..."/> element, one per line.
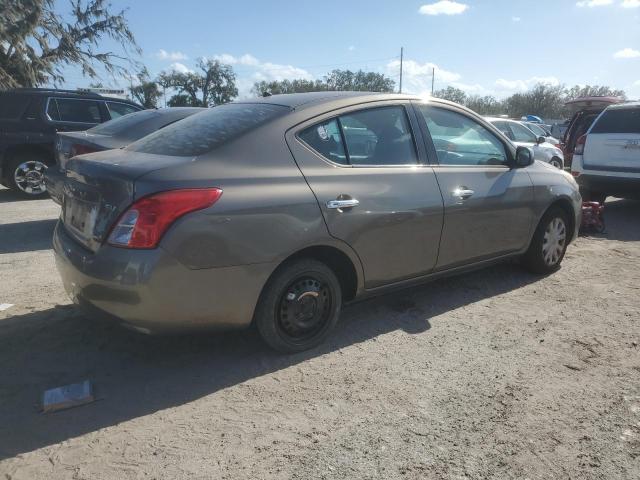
<point x="276" y="211"/>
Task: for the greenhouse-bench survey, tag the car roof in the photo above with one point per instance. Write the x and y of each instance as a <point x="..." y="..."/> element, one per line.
<point x="67" y="94"/>
<point x="496" y="119"/>
<point x="624" y="106"/>
<point x="298" y="101"/>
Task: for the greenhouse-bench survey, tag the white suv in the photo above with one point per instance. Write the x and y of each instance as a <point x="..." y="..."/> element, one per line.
<point x="606" y="160"/>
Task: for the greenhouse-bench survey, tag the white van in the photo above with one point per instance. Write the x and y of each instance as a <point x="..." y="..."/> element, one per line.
<point x="606" y="159"/>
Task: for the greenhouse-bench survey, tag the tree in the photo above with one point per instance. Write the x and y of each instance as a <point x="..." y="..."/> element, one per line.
<point x="486" y="105"/>
<point x="36" y="43"/>
<point x="358" y="81"/>
<point x="593" y="91"/>
<point x="544" y="100"/>
<point x="275" y="87"/>
<point x="146" y="93"/>
<point x="452" y="94"/>
<point x="213" y="85"/>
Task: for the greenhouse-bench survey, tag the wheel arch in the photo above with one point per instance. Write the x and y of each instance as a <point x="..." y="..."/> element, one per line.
<point x="13" y="150"/>
<point x="566" y="205"/>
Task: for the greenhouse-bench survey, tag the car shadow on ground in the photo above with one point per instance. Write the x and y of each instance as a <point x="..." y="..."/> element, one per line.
<point x="26" y="236"/>
<point x="622" y="219"/>
<point x="136" y="375"/>
<point x="7" y="195"/>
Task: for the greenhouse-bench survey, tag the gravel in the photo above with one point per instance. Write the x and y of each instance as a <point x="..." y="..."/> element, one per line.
<point x="495" y="374"/>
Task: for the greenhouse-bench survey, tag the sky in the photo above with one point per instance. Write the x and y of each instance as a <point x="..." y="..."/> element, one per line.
<point x="485" y="47"/>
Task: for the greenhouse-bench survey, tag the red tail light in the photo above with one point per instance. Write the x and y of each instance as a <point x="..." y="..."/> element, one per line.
<point x="143" y="223"/>
<point x="579" y="150"/>
<point x="79" y="149"/>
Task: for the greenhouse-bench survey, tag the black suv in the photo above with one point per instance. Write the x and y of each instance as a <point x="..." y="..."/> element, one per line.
<point x="29" y="121"/>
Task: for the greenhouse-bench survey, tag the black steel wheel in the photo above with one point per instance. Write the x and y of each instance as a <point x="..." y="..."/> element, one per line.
<point x="299" y="306"/>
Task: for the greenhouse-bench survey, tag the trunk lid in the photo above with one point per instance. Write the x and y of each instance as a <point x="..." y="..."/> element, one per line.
<point x="98" y="187"/>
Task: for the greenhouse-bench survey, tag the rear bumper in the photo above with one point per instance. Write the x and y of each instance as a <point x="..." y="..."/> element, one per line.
<point x="617" y="186"/>
<point x="150" y="291"/>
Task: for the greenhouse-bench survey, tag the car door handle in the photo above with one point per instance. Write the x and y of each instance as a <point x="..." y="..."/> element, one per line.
<point x="463" y="193"/>
<point x="340" y="204"/>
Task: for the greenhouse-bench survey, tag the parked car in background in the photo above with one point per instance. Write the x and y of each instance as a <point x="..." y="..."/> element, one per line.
<point x="606" y="160"/>
<point x="518" y="133"/>
<point x="558" y="130"/>
<point x="276" y="211"/>
<point x="587" y="109"/>
<point x="540" y="131"/>
<point x="116" y="133"/>
<point x="29" y="121"/>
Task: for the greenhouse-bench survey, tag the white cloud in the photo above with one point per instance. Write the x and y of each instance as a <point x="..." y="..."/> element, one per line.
<point x="515" y="19"/>
<point x="512" y="86"/>
<point x="443" y="7"/>
<point x="627" y="53"/>
<point x="593" y="3"/>
<point x="180" y="68"/>
<point x="173" y="56"/>
<point x="416" y="77"/>
<point x="631" y="4"/>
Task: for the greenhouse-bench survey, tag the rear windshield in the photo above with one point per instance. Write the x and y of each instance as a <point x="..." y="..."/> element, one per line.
<point x="204" y="131"/>
<point x="625" y="120"/>
<point x="121" y="124"/>
<point x="12" y="105"/>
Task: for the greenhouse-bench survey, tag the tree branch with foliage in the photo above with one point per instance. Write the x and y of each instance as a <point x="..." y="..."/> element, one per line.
<point x="36" y="44"/>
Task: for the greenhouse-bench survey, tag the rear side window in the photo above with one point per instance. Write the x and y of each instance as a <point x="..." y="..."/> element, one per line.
<point x="459" y="140"/>
<point x="12" y="105"/>
<point x="375" y="136"/>
<point x="117" y="109"/>
<point x="522" y="133"/>
<point x="205" y="131"/>
<point x="72" y="110"/>
<point x="625" y="120"/>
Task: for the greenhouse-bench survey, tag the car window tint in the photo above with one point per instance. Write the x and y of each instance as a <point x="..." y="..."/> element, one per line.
<point x="117" y="109"/>
<point x="325" y="139"/>
<point x="80" y="111"/>
<point x="12" y="105"/>
<point x="504" y="128"/>
<point x="522" y="133"/>
<point x="460" y="140"/>
<point x="123" y="123"/>
<point x="379" y="136"/>
<point x="618" y="121"/>
<point x="536" y="129"/>
<point x="205" y="131"/>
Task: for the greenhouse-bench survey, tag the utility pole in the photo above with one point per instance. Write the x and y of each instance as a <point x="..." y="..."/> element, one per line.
<point x="433" y="79"/>
<point x="401" y="55"/>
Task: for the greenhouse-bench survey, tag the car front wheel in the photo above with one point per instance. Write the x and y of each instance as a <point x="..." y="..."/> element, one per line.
<point x="549" y="242"/>
<point x="299" y="306"/>
<point x="556" y="162"/>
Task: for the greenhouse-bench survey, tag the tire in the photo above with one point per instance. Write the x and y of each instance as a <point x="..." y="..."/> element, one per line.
<point x="25" y="174"/>
<point x="299" y="306"/>
<point x="556" y="162"/>
<point x="549" y="243"/>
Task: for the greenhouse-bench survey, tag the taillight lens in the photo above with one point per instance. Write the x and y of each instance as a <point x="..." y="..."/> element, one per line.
<point x="79" y="149"/>
<point x="143" y="223"/>
<point x="579" y="150"/>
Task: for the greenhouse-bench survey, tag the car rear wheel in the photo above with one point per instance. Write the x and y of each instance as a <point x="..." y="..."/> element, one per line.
<point x="26" y="174"/>
<point x="549" y="242"/>
<point x="556" y="162"/>
<point x="299" y="306"/>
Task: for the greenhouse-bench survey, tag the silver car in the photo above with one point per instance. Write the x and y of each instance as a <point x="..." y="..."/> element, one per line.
<point x="276" y="211"/>
<point x="521" y="135"/>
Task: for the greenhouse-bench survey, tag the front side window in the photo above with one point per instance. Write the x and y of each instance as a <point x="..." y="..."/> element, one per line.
<point x="459" y="140"/>
<point x="618" y="121"/>
<point x="375" y="136"/>
<point x="504" y="128"/>
<point x="522" y="133"/>
<point x="117" y="109"/>
<point x="72" y="110"/>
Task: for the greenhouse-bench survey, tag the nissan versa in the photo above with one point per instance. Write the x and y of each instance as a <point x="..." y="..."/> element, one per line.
<point x="276" y="211"/>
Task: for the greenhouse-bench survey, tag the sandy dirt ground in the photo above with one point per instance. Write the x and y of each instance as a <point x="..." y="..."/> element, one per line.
<point x="496" y="374"/>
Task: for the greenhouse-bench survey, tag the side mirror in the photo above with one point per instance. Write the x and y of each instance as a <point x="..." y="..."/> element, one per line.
<point x="541" y="140"/>
<point x="524" y="157"/>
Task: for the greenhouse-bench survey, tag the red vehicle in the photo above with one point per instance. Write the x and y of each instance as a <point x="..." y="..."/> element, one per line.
<point x="587" y="109"/>
<point x="592" y="217"/>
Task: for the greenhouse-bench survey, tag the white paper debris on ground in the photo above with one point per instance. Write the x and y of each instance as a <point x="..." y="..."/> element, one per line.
<point x="4" y="306"/>
<point x="67" y="396"/>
